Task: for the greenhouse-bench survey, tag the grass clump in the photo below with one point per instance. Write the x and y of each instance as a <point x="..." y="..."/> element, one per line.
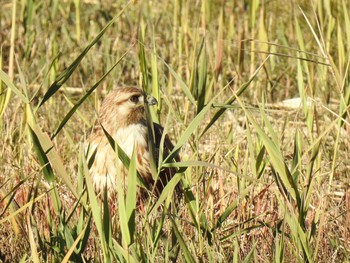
<point x="254" y="95"/>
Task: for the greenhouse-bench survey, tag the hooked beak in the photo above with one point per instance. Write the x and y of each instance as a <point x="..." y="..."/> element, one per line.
<point x="150" y="100"/>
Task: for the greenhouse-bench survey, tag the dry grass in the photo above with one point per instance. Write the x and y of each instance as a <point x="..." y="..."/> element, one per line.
<point x="265" y="181"/>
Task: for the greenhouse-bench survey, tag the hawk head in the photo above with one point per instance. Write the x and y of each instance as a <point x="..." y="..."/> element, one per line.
<point x="124" y="106"/>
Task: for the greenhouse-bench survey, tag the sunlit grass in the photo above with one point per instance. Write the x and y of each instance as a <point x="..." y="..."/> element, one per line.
<point x="264" y="178"/>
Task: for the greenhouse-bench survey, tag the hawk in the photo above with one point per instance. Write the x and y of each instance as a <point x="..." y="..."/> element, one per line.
<point x="122" y="116"/>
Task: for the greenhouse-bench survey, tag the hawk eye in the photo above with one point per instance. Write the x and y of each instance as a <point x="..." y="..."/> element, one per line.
<point x="134" y="99"/>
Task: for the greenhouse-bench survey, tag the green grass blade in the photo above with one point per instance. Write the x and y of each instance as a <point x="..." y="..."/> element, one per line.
<point x="347" y="21"/>
<point x="155" y="84"/>
<point x="276" y="157"/>
<point x="22" y="208"/>
<point x="6" y="79"/>
<point x="49" y="157"/>
<point x="296" y="165"/>
<point x="88" y="93"/>
<point x="195" y="123"/>
<point x="33" y="246"/>
<point x="279" y="245"/>
<point x="106" y="218"/>
<point x="236" y="252"/>
<point x="95" y="210"/>
<point x="309" y="180"/>
<point x="142" y="57"/>
<point x="183" y="245"/>
<point x="299" y="235"/>
<point x="228" y="211"/>
<point x="167" y="192"/>
<point x="74" y="245"/>
<point x="130" y="201"/>
<point x="123" y="253"/>
<point x="151" y="142"/>
<point x="199" y="88"/>
<point x="122" y="155"/>
<point x="182" y="84"/>
<point x="318" y="40"/>
<point x="250" y="254"/>
<point x="123" y="219"/>
<point x="186" y="164"/>
<point x="63" y="77"/>
<point x="233" y="98"/>
<point x="41" y="155"/>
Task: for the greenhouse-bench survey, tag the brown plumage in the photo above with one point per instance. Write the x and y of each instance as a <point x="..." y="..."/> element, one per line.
<point x="122" y="115"/>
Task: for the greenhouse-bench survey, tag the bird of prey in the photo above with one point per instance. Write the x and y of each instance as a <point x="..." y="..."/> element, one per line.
<point x="122" y="116"/>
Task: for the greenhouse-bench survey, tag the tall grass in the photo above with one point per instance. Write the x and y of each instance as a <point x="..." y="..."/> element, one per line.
<point x="263" y="180"/>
